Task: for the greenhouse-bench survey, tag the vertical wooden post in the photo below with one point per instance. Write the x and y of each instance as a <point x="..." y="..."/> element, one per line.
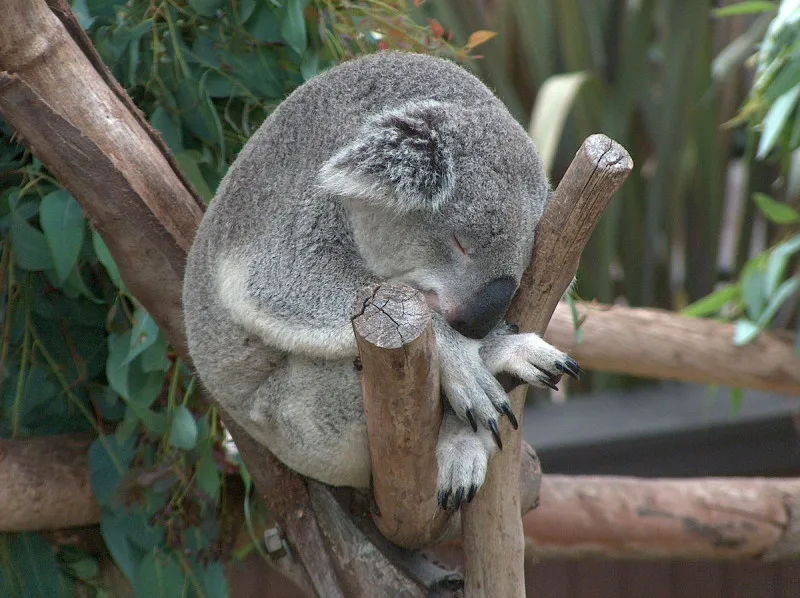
<point x="493" y="536"/>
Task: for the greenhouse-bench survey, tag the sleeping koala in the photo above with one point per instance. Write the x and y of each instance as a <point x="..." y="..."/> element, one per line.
<point x="392" y="167"/>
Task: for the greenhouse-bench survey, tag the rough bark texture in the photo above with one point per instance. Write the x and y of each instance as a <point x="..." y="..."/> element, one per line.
<point x="730" y="518"/>
<point x="660" y="344"/>
<point x="44" y="484"/>
<point x="493" y="536"/>
<point x="400" y="385"/>
<point x="92" y="142"/>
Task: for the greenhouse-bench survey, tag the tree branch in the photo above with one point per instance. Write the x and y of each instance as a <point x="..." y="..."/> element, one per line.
<point x="400" y="386"/>
<point x="44" y="484"/>
<point x="660" y="344"/>
<point x="493" y="535"/>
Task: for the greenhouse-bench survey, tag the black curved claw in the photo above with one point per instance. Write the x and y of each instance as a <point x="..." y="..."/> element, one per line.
<point x="442" y="498"/>
<point x="512" y="328"/>
<point x="510" y="415"/>
<point x="458" y="498"/>
<point x="495" y="433"/>
<point x="472" y="421"/>
<point x="547" y="382"/>
<point x="472" y="490"/>
<point x="571" y="368"/>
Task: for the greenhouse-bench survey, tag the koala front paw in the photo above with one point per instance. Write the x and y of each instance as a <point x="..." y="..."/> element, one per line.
<point x="529" y="358"/>
<point x="473" y="392"/>
<point x="462" y="457"/>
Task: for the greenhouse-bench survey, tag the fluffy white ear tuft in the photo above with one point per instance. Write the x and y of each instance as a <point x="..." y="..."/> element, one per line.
<point x="400" y="158"/>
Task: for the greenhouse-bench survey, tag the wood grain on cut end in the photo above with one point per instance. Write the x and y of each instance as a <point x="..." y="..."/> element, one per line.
<point x="389" y="315"/>
<point x="609" y="155"/>
<point x="400" y="385"/>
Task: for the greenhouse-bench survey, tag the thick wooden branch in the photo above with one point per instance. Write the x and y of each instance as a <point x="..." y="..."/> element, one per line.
<point x="724" y="518"/>
<point x="44" y="484"/>
<point x="493" y="536"/>
<point x="660" y="344"/>
<point x="400" y="385"/>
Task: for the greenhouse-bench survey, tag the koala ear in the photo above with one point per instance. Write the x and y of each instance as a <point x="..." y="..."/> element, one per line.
<point x="400" y="158"/>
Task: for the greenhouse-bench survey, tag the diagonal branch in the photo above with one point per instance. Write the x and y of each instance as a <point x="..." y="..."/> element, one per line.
<point x="493" y="535"/>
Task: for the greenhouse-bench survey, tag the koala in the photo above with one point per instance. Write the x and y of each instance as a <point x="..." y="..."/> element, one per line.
<point x="391" y="167"/>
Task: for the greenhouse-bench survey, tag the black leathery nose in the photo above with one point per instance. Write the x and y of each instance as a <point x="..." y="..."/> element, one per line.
<point x="486" y="308"/>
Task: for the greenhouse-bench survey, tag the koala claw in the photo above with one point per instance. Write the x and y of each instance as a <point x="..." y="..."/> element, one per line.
<point x="548" y="382"/>
<point x="472" y="421"/>
<point x="495" y="433"/>
<point x="462" y="457"/>
<point x="570" y="367"/>
<point x="506" y="409"/>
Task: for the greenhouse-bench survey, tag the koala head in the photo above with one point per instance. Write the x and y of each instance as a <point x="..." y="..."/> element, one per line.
<point x="444" y="198"/>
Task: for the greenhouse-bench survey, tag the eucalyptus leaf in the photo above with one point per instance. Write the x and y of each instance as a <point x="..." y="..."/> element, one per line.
<point x="31" y="251"/>
<point x="160" y="576"/>
<point x="169" y="127"/>
<point x="777" y="212"/>
<point x="104" y="255"/>
<point x="753" y="288"/>
<point x="143" y="334"/>
<point x="293" y="27"/>
<point x="30" y="568"/>
<point x="713" y="303"/>
<point x="555" y="99"/>
<point x="263" y="26"/>
<point x="183" y="429"/>
<point x="109" y="458"/>
<point x="114" y="532"/>
<point x="745" y="8"/>
<point x="207" y="8"/>
<point x="117" y="365"/>
<point x="784" y="292"/>
<point x="774" y="121"/>
<point x="188" y="162"/>
<point x="745" y="331"/>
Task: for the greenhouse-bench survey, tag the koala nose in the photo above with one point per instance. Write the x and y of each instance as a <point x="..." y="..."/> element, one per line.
<point x="478" y="316"/>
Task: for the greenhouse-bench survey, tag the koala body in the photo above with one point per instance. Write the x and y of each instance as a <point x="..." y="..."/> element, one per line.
<point x="396" y="167"/>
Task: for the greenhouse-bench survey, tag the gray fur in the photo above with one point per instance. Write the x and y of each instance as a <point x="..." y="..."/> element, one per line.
<point x="368" y="172"/>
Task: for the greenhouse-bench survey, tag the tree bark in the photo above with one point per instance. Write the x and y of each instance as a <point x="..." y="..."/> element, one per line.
<point x="493" y="536"/>
<point x="400" y="385"/>
<point x="44" y="484"/>
<point x="725" y="518"/>
<point x="659" y="344"/>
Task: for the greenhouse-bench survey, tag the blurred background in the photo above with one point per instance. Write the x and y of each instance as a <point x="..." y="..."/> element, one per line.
<point x="704" y="95"/>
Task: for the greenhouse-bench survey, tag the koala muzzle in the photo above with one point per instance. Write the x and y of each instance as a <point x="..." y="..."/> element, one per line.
<point x="485" y="309"/>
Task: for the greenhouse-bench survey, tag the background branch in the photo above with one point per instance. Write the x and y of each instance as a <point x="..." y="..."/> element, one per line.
<point x="659" y="344"/>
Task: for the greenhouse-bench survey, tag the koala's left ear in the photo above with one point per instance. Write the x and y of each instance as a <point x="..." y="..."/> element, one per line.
<point x="400" y="158"/>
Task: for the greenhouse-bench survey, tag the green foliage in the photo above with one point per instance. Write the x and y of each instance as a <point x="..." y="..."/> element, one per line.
<point x="774" y="102"/>
<point x="79" y="353"/>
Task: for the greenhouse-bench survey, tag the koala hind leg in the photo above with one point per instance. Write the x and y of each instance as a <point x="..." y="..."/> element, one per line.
<point x="309" y="413"/>
<point x="462" y="456"/>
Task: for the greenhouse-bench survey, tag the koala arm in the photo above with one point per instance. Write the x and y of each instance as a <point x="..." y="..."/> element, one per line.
<point x="311" y="321"/>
